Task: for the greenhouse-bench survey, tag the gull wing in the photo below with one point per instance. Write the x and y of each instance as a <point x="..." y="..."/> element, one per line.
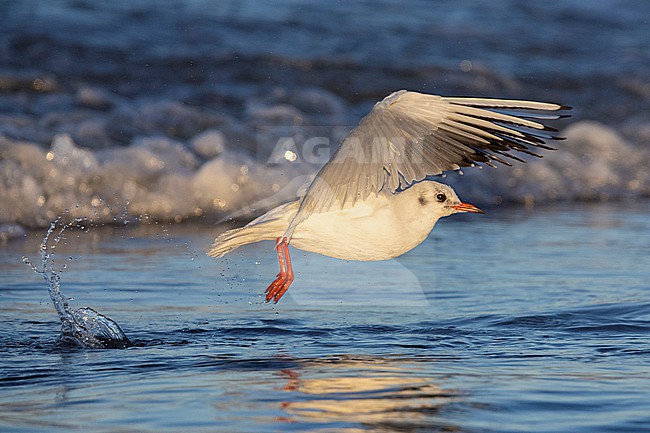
<point x="409" y="136"/>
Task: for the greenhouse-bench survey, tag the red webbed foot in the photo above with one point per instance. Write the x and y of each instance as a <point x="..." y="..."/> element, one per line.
<point x="285" y="277"/>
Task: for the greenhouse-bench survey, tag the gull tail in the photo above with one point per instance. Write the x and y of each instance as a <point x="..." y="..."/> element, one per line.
<point x="269" y="226"/>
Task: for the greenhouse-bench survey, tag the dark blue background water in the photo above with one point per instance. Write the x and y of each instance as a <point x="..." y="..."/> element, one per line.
<point x="217" y="54"/>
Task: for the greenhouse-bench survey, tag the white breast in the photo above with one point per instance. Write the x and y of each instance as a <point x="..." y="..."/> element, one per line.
<point x="378" y="228"/>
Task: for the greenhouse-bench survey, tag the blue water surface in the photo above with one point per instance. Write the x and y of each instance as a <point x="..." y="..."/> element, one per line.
<point x="518" y="320"/>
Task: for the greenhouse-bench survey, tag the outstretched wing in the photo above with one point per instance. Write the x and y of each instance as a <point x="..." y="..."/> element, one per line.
<point x="409" y="136"/>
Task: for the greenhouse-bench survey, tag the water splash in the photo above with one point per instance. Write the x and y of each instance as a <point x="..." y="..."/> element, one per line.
<point x="84" y="327"/>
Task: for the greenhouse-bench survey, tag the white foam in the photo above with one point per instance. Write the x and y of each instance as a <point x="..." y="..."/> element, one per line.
<point x="209" y="144"/>
<point x="211" y="175"/>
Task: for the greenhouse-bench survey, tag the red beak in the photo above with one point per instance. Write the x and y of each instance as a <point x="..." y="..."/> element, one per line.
<point x="466" y="207"/>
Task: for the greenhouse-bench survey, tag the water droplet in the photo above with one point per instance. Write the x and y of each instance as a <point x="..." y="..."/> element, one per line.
<point x="290" y="155"/>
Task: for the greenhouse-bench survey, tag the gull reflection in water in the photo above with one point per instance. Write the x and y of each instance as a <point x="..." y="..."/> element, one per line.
<point x="379" y="393"/>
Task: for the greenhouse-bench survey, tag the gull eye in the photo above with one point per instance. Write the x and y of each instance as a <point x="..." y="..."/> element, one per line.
<point x="441" y="197"/>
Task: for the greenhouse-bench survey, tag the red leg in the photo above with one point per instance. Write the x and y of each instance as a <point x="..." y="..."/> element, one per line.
<point x="285" y="277"/>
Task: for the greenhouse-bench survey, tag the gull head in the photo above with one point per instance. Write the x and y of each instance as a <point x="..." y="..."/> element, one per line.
<point x="437" y="199"/>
